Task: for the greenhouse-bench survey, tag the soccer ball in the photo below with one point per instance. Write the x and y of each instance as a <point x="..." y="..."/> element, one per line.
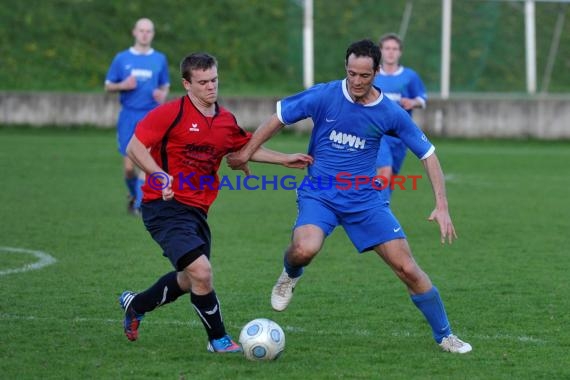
<point x="262" y="339"/>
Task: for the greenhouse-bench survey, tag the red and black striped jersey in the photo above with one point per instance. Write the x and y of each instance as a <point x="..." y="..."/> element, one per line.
<point x="191" y="149"/>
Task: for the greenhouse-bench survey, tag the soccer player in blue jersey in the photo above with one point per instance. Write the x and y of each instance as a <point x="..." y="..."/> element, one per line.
<point x="140" y="75"/>
<point x="404" y="86"/>
<point x="351" y="117"/>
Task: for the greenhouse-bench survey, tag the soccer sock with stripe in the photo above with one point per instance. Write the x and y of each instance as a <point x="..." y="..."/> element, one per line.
<point x="431" y="305"/>
<point x="291" y="270"/>
<point x="165" y="290"/>
<point x="208" y="309"/>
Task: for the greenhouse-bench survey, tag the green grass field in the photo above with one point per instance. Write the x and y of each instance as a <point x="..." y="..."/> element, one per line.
<point x="505" y="281"/>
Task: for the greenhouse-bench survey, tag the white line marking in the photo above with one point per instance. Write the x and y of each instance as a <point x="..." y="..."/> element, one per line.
<point x="44" y="260"/>
<point x="288" y="329"/>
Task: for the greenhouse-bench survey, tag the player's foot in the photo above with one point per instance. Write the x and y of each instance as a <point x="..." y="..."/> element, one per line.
<point x="283" y="291"/>
<point x="131" y="208"/>
<point x="451" y="343"/>
<point x="132" y="319"/>
<point x="224" y="344"/>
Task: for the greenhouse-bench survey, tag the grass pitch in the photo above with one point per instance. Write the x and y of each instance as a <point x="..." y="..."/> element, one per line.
<point x="504" y="282"/>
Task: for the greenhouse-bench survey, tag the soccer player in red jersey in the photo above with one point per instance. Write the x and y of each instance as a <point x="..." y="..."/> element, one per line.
<point x="180" y="144"/>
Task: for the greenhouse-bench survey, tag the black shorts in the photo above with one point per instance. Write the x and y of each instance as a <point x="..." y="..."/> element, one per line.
<point x="182" y="231"/>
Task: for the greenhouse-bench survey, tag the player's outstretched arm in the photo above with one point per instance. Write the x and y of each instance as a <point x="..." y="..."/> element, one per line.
<point x="441" y="212"/>
<point x="294" y="160"/>
<point x="264" y="132"/>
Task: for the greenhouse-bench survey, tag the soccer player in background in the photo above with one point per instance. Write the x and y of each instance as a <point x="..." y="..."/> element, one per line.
<point x="140" y="75"/>
<point x="180" y="145"/>
<point x="404" y="86"/>
<point x="350" y="118"/>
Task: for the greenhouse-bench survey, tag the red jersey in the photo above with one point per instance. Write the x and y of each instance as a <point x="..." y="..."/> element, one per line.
<point x="190" y="150"/>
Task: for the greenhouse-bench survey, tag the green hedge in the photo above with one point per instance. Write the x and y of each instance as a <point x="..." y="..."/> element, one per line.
<point x="68" y="44"/>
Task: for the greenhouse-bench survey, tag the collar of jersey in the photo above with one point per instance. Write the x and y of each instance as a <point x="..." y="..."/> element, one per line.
<point x="397" y="72"/>
<point x="133" y="51"/>
<point x="347" y="95"/>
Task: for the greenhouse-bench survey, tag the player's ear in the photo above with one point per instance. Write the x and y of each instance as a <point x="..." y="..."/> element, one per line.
<point x="186" y="84"/>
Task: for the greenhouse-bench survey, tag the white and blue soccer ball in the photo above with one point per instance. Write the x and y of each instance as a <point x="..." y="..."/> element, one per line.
<point x="262" y="339"/>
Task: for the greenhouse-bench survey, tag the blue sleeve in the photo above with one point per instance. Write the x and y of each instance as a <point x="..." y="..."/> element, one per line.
<point x="412" y="135"/>
<point x="114" y="74"/>
<point x="299" y="106"/>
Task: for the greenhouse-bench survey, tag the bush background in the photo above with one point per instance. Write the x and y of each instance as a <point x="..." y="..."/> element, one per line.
<point x="67" y="45"/>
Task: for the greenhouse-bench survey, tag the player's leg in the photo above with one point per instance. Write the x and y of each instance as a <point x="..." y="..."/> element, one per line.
<point x="306" y="242"/>
<point x="125" y="128"/>
<point x="132" y="182"/>
<point x="197" y="278"/>
<point x="378" y="229"/>
<point x="184" y="236"/>
<point x="160" y="220"/>
<point x="397" y="254"/>
<point x="314" y="223"/>
<point x="136" y="305"/>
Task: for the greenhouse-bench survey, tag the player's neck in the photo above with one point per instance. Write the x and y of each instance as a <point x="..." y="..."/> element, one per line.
<point x="142" y="49"/>
<point x="370" y="97"/>
<point x="206" y="109"/>
<point x="390" y="68"/>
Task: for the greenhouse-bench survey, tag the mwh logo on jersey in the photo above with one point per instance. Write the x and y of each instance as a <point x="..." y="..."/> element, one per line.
<point x="142" y="73"/>
<point x="344" y="140"/>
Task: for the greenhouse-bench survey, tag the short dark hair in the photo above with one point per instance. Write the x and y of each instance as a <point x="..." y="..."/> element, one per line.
<point x="391" y="36"/>
<point x="196" y="61"/>
<point x="364" y="48"/>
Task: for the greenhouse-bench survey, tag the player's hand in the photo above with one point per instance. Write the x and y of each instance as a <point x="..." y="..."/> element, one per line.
<point x="159" y="95"/>
<point x="237" y="160"/>
<point x="167" y="192"/>
<point x="245" y="169"/>
<point x="298" y="161"/>
<point x="407" y="103"/>
<point x="446" y="229"/>
<point x="130" y="83"/>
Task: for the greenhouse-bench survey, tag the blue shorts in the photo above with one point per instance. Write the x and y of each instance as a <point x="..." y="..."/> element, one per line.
<point x="392" y="153"/>
<point x="182" y="231"/>
<point x="128" y="119"/>
<point x="366" y="228"/>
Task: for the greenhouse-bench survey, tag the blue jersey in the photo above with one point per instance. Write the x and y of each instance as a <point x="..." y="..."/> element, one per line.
<point x="346" y="135"/>
<point x="404" y="83"/>
<point x="151" y="71"/>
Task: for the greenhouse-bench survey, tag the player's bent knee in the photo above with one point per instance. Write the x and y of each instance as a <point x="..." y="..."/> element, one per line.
<point x="199" y="272"/>
<point x="415" y="278"/>
<point x="302" y="254"/>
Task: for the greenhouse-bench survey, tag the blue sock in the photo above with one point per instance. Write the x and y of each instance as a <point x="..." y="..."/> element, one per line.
<point x="292" y="271"/>
<point x="431" y="305"/>
<point x="139" y="194"/>
<point x="132" y="186"/>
